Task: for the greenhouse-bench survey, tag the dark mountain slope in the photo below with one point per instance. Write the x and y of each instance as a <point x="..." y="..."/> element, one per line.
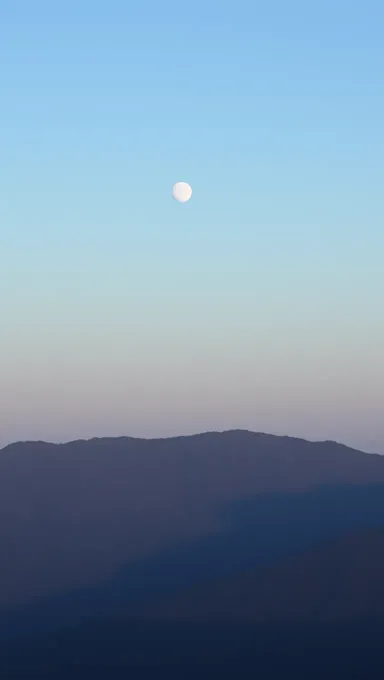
<point x="336" y="582"/>
<point x="261" y="531"/>
<point x="219" y="555"/>
<point x="71" y="515"/>
<point x="318" y="615"/>
<point x="113" y="650"/>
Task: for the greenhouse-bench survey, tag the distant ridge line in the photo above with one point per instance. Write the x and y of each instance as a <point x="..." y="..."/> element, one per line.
<point x="209" y="433"/>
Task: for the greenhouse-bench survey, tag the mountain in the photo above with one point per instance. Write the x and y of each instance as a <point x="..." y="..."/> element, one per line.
<point x="341" y="580"/>
<point x="128" y="557"/>
<point x="72" y="515"/>
<point x="317" y="615"/>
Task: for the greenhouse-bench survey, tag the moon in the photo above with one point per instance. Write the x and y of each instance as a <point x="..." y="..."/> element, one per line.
<point x="181" y="192"/>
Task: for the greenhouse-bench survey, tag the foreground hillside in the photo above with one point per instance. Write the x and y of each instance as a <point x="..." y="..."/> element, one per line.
<point x="317" y="615"/>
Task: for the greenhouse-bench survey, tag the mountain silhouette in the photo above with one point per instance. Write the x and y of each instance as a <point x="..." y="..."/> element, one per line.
<point x="113" y="547"/>
<point x="73" y="514"/>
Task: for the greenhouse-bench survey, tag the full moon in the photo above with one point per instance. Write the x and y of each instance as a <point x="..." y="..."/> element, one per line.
<point x="181" y="192"/>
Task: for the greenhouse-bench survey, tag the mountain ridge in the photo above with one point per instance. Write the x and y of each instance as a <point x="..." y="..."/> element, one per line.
<point x="74" y="515"/>
<point x="175" y="438"/>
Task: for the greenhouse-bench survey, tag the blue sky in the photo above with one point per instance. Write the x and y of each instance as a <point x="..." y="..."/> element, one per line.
<point x="259" y="303"/>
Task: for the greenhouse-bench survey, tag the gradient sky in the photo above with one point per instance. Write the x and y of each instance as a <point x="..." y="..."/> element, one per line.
<point x="259" y="304"/>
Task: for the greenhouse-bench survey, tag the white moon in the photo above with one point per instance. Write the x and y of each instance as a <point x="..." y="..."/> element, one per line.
<point x="182" y="192"/>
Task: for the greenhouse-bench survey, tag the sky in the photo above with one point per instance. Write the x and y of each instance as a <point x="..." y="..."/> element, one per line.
<point x="258" y="304"/>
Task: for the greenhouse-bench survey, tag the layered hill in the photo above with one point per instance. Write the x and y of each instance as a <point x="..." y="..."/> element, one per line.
<point x="217" y="553"/>
<point x="337" y="582"/>
<point x="74" y="514"/>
